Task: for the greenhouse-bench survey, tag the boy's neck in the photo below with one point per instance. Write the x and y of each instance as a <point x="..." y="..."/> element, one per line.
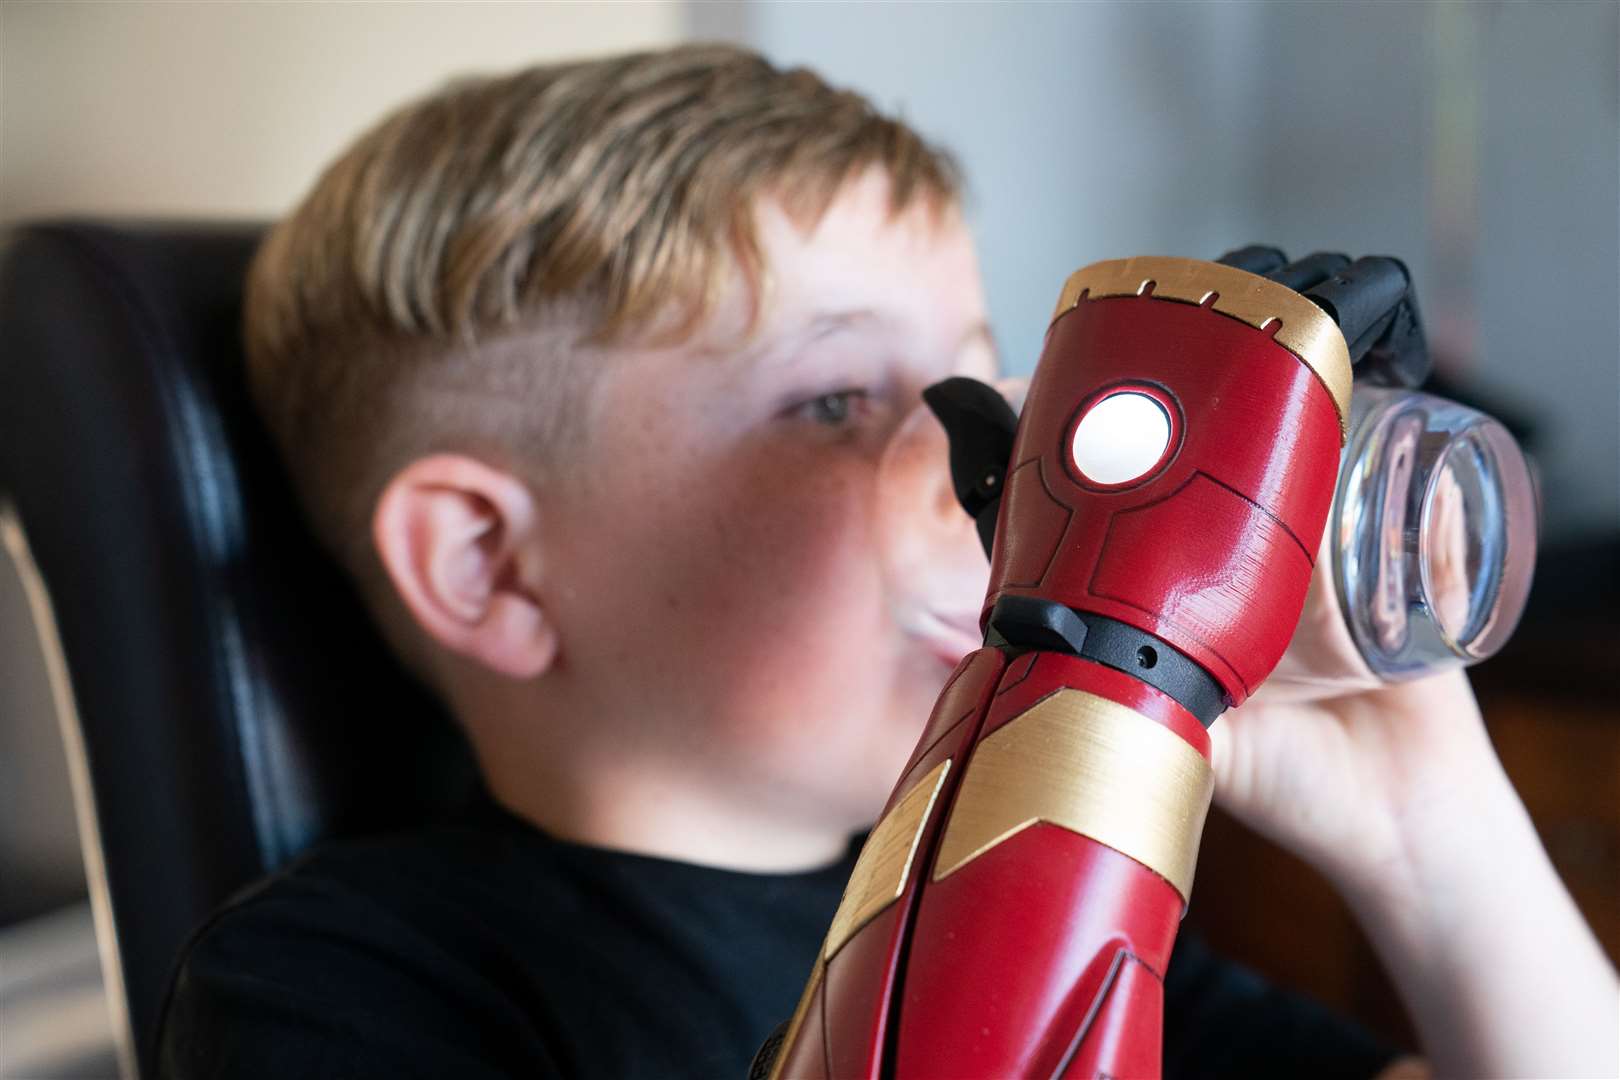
<point x="657" y="817"/>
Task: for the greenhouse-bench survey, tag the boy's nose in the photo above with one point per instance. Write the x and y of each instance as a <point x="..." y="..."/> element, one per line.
<point x="931" y="552"/>
<point x="917" y="503"/>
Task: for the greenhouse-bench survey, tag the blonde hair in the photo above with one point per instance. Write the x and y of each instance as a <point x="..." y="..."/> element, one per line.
<point x="444" y="284"/>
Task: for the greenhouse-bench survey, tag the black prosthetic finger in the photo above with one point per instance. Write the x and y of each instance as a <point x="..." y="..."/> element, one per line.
<point x="980" y="425"/>
<point x="1401" y="356"/>
<point x="1375" y="306"/>
<point x="1362" y="299"/>
<point x="1301" y="274"/>
<point x="1256" y="258"/>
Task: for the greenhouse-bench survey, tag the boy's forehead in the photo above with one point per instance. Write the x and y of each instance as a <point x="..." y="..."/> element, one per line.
<point x="860" y="239"/>
<point x="861" y="268"/>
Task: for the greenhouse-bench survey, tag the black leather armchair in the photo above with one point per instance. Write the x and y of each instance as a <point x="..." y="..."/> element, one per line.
<point x="225" y="702"/>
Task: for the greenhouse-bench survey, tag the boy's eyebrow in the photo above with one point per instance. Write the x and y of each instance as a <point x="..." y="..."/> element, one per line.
<point x="821" y="324"/>
<point x="782" y="350"/>
<point x="785" y="349"/>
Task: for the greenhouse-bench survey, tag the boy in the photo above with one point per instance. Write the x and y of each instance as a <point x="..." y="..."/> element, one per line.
<point x="584" y="373"/>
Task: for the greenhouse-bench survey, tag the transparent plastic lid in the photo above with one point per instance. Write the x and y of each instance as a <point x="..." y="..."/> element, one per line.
<point x="1432" y="533"/>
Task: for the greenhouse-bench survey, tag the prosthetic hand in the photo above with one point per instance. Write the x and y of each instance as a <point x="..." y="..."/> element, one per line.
<point x="1152" y="521"/>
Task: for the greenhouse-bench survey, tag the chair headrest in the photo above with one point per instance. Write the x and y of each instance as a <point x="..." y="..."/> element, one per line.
<point x="236" y="704"/>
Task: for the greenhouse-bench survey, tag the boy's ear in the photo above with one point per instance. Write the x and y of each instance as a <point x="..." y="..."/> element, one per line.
<point x="459" y="541"/>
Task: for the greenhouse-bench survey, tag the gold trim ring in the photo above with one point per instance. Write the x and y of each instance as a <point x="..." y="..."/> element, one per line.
<point x="1306" y="330"/>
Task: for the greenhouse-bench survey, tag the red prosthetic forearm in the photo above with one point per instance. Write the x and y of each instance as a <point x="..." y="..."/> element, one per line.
<point x="1014" y="907"/>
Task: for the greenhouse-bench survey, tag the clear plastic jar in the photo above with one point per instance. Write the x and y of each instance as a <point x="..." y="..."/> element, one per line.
<point x="1433" y="532"/>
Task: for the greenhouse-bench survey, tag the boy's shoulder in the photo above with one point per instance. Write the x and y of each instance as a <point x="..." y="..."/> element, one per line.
<point x="343" y="952"/>
<point x="485" y="947"/>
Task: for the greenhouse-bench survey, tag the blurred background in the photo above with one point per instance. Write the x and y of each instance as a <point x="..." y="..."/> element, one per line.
<point x="1480" y="142"/>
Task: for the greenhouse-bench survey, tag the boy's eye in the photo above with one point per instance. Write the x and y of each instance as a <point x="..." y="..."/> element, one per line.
<point x="834" y="409"/>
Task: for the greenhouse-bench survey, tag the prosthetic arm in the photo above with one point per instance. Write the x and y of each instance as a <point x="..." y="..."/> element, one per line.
<point x="1152" y="521"/>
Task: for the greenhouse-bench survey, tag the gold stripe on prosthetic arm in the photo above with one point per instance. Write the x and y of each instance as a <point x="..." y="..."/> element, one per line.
<point x="884" y="865"/>
<point x="1307" y="331"/>
<point x="1092" y="766"/>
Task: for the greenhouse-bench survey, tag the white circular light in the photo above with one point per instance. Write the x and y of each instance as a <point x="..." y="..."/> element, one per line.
<point x="1121" y="438"/>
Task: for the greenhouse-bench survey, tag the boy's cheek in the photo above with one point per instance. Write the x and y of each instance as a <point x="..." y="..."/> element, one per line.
<point x="825" y="688"/>
<point x="741" y="552"/>
<point x="779" y="570"/>
<point x="750" y="605"/>
<point x="795" y="552"/>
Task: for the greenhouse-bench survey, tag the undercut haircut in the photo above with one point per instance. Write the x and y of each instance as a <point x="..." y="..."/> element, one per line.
<point x="453" y="278"/>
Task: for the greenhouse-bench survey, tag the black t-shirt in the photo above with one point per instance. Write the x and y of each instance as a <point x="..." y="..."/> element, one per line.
<point x="484" y="948"/>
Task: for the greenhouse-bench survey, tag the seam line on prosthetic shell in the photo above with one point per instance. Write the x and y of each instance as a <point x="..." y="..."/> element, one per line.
<point x="1307" y="331"/>
<point x="1094" y="767"/>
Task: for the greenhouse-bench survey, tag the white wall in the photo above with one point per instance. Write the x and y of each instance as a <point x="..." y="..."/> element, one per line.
<point x="1087" y="131"/>
<point x="1548" y="264"/>
<point x="228" y="109"/>
<point x="1476" y="141"/>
